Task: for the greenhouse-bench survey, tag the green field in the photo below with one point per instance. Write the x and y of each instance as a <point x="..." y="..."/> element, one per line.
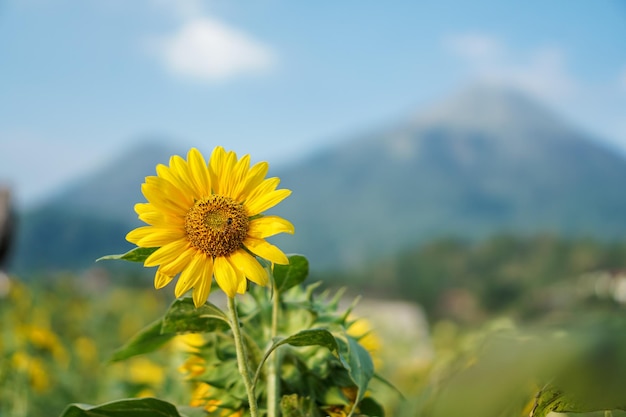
<point x="501" y="326"/>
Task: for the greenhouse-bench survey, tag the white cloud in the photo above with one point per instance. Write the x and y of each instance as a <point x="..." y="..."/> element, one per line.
<point x="542" y="71"/>
<point x="205" y="49"/>
<point x="476" y="47"/>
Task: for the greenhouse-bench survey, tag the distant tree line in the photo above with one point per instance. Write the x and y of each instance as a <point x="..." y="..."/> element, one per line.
<point x="468" y="281"/>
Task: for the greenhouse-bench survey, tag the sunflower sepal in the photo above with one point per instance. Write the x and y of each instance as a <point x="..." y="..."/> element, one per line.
<point x="137" y="254"/>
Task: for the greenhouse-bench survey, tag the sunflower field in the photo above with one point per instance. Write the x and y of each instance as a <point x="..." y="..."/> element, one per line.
<point x="247" y="332"/>
<point x="59" y="342"/>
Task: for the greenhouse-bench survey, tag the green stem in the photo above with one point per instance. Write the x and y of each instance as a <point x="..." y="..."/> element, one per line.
<point x="273" y="382"/>
<point x="242" y="357"/>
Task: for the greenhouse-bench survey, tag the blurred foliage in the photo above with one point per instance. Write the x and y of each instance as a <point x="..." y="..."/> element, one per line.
<point x="527" y="277"/>
<point x="56" y="338"/>
<point x="506" y="370"/>
<point x="317" y="356"/>
<point x="516" y="327"/>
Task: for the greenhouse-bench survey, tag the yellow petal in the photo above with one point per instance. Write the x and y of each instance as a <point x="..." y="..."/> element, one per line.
<point x="265" y="250"/>
<point x="151" y="217"/>
<point x="167" y="190"/>
<point x="253" y="178"/>
<point x="171" y="175"/>
<point x="139" y="233"/>
<point x="167" y="253"/>
<point x="266" y="186"/>
<point x="266" y="201"/>
<point x="251" y="268"/>
<point x="190" y="275"/>
<point x="227" y="170"/>
<point x="203" y="287"/>
<point x="141" y="208"/>
<point x="161" y="236"/>
<point x="174" y="267"/>
<point x="161" y="202"/>
<point x="180" y="169"/>
<point x="160" y="219"/>
<point x="269" y="226"/>
<point x="165" y="187"/>
<point x="220" y="164"/>
<point x="161" y="279"/>
<point x="199" y="172"/>
<point x="237" y="176"/>
<point x="215" y="165"/>
<point x="225" y="276"/>
<point x="243" y="286"/>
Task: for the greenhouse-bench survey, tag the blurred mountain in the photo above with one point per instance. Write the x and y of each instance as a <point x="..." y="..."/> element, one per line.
<point x="481" y="162"/>
<point x="484" y="161"/>
<point x="91" y="216"/>
<point x="112" y="191"/>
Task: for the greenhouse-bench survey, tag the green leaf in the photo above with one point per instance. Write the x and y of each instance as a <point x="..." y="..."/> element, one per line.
<point x="369" y="407"/>
<point x="147" y="340"/>
<point x="311" y="337"/>
<point x="184" y="317"/>
<point x="134" y="407"/>
<point x="358" y="362"/>
<point x="288" y="276"/>
<point x="134" y="255"/>
<point x="308" y="337"/>
<point x="389" y="385"/>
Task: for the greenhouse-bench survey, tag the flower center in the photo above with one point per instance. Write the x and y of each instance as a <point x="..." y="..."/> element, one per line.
<point x="217" y="225"/>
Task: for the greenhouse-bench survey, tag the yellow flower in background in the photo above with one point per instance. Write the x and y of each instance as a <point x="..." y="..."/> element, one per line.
<point x="86" y="350"/>
<point x="34" y="368"/>
<point x="44" y="339"/>
<point x="362" y="330"/>
<point x="206" y="221"/>
<point x="193" y="367"/>
<point x="188" y="342"/>
<point x="142" y="370"/>
<point x="200" y="397"/>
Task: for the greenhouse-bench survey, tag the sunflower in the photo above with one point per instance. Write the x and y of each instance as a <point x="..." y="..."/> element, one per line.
<point x="206" y="221"/>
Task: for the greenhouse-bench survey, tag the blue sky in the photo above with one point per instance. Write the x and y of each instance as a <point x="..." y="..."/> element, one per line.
<point x="81" y="80"/>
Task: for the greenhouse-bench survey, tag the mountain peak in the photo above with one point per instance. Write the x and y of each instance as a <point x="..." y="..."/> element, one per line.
<point x="492" y="107"/>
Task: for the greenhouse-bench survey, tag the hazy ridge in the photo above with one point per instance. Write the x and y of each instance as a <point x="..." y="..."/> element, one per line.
<point x="478" y="163"/>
